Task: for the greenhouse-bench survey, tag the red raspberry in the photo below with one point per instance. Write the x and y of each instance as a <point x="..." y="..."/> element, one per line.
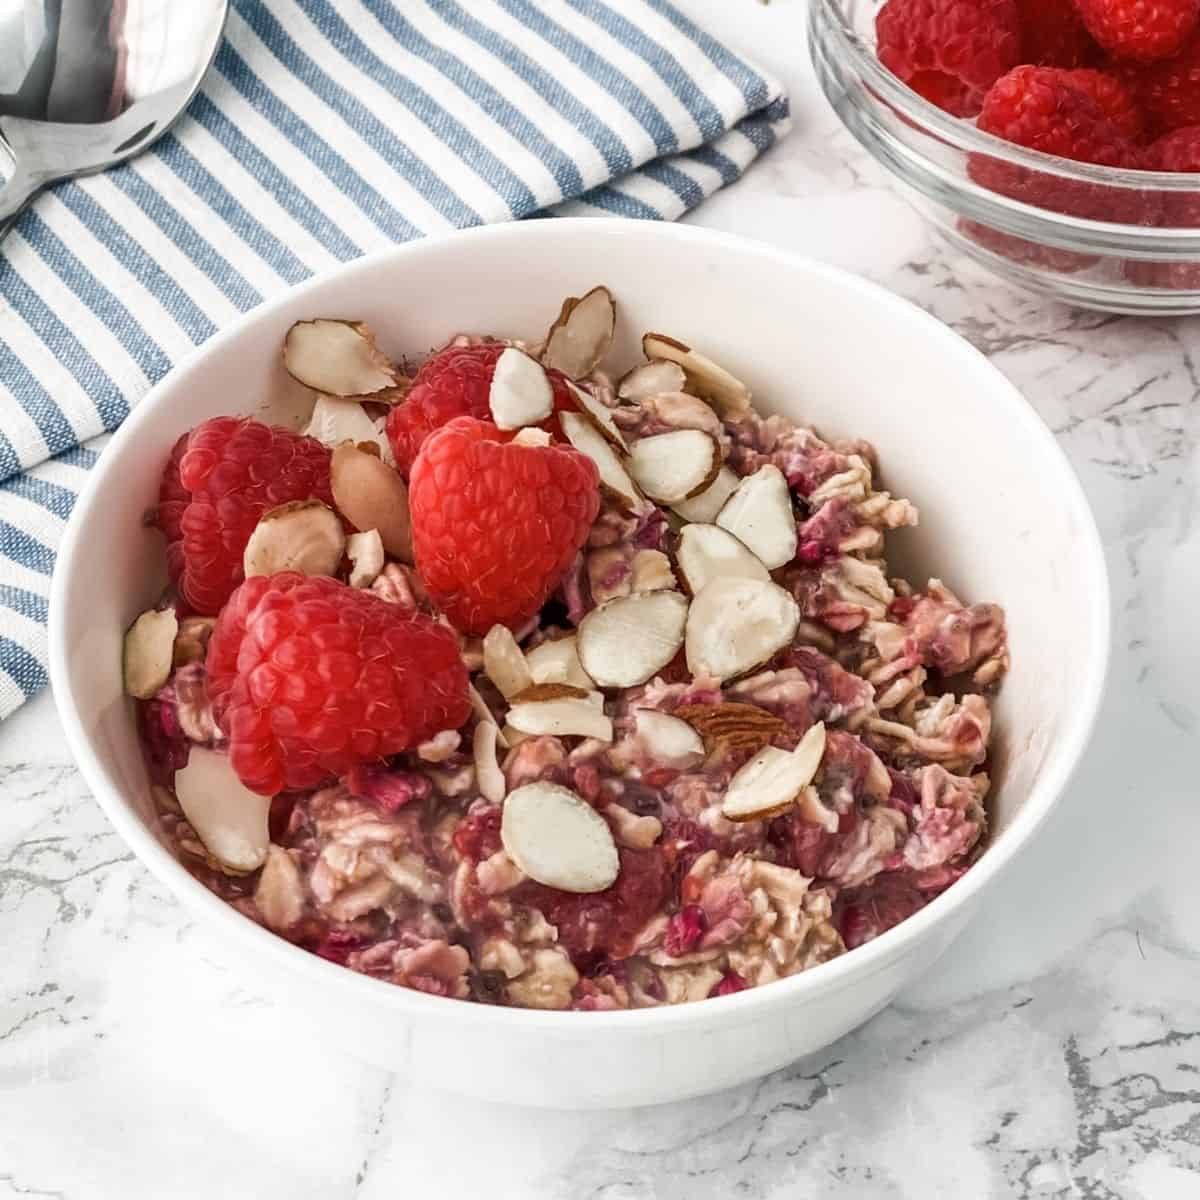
<point x="215" y="487"/>
<point x="495" y="525"/>
<point x="455" y="382"/>
<point x="1141" y="30"/>
<point x="1053" y="34"/>
<point x="1175" y="151"/>
<point x="1169" y="91"/>
<point x="310" y="678"/>
<point x="950" y="51"/>
<point x="1114" y="97"/>
<point x="684" y="930"/>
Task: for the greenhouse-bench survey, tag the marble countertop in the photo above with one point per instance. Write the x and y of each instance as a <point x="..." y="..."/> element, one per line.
<point x="1055" y="1051"/>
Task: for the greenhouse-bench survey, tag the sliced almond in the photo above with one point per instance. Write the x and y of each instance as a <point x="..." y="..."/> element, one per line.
<point x="759" y="513"/>
<point x="339" y="358"/>
<point x="582" y="334"/>
<point x="227" y="816"/>
<point x="705" y="506"/>
<point x="279" y="896"/>
<point x="731" y="727"/>
<point x="371" y="495"/>
<point x="488" y="776"/>
<point x="365" y="551"/>
<point x="557" y="661"/>
<point x="483" y="714"/>
<point x="334" y="421"/>
<point x="149" y="651"/>
<point x="726" y="393"/>
<point x="651" y="571"/>
<point x="735" y="625"/>
<point x="708" y="552"/>
<point x="520" y="393"/>
<point x="504" y="663"/>
<point x="558" y="839"/>
<point x="599" y="414"/>
<point x="555" y="691"/>
<point x="670" y="467"/>
<point x="614" y="478"/>
<point x="565" y="717"/>
<point x="652" y="379"/>
<point x="624" y="642"/>
<point x="533" y="436"/>
<point x="669" y="741"/>
<point x="304" y="536"/>
<point x="772" y="781"/>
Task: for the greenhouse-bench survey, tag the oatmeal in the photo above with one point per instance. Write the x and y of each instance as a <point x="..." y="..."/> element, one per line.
<point x="510" y="681"/>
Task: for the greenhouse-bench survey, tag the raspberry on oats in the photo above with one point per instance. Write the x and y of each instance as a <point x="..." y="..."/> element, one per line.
<point x="311" y="679"/>
<point x="495" y="525"/>
<point x="951" y="51"/>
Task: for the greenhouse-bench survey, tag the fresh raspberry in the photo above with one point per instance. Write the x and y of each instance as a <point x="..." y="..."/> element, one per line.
<point x="455" y="382"/>
<point x="1169" y="91"/>
<point x="495" y="525"/>
<point x="215" y="487"/>
<point x="1053" y="34"/>
<point x="1114" y="97"/>
<point x="310" y="678"/>
<point x="1178" y="150"/>
<point x="1141" y="30"/>
<point x="950" y="51"/>
<point x="1038" y="108"/>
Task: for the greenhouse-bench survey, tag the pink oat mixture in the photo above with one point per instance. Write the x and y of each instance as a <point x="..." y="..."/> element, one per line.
<point x="398" y="871"/>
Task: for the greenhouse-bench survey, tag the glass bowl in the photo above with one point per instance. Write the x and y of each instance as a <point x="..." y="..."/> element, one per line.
<point x="1096" y="237"/>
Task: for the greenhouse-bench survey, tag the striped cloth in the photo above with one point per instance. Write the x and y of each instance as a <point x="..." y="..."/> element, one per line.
<point x="326" y="129"/>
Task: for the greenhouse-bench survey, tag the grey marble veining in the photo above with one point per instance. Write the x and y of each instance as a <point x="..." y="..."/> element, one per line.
<point x="1054" y="1052"/>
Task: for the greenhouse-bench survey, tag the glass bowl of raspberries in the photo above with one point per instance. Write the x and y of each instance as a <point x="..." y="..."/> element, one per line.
<point x="1057" y="142"/>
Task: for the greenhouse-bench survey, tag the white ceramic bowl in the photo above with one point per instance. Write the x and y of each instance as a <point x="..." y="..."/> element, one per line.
<point x="1002" y="518"/>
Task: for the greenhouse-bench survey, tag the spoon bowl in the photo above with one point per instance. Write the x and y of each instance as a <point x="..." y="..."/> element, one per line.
<point x="86" y="84"/>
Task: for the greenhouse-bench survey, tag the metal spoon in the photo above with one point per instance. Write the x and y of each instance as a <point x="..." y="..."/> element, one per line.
<point x="86" y="84"/>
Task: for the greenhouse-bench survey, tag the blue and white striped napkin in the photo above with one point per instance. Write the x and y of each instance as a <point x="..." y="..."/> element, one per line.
<point x="328" y="128"/>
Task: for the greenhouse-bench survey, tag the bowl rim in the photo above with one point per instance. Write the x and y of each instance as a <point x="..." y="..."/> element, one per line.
<point x="828" y="977"/>
<point x="962" y="134"/>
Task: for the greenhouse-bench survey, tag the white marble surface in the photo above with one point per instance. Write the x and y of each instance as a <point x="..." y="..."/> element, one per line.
<point x="1054" y="1052"/>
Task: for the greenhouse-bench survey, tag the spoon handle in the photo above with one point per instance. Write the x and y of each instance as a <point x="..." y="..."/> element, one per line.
<point x="15" y="194"/>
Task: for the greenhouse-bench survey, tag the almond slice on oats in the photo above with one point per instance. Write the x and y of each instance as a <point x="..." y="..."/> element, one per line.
<point x="520" y="393"/>
<point x="651" y="571"/>
<point x="731" y="727"/>
<point x="652" y="379"/>
<point x="279" y="895"/>
<point x="488" y="776"/>
<point x="773" y="780"/>
<point x="708" y="552"/>
<point x="565" y="716"/>
<point x="335" y="420"/>
<point x="626" y="641"/>
<point x="703" y="508"/>
<point x="303" y="536"/>
<point x="371" y="495"/>
<point x="759" y="513"/>
<point x="666" y="739"/>
<point x="557" y="661"/>
<point x="483" y="714"/>
<point x="599" y="414"/>
<point x="558" y="839"/>
<point x="504" y="663"/>
<point x="339" y="358"/>
<point x="726" y="393"/>
<point x="736" y="624"/>
<point x="228" y="818"/>
<point x="365" y="551"/>
<point x="149" y="652"/>
<point x="669" y="467"/>
<point x="582" y="333"/>
<point x="531" y="435"/>
<point x="614" y="478"/>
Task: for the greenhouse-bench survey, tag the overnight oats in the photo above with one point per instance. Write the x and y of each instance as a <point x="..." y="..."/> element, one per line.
<point x="511" y="681"/>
